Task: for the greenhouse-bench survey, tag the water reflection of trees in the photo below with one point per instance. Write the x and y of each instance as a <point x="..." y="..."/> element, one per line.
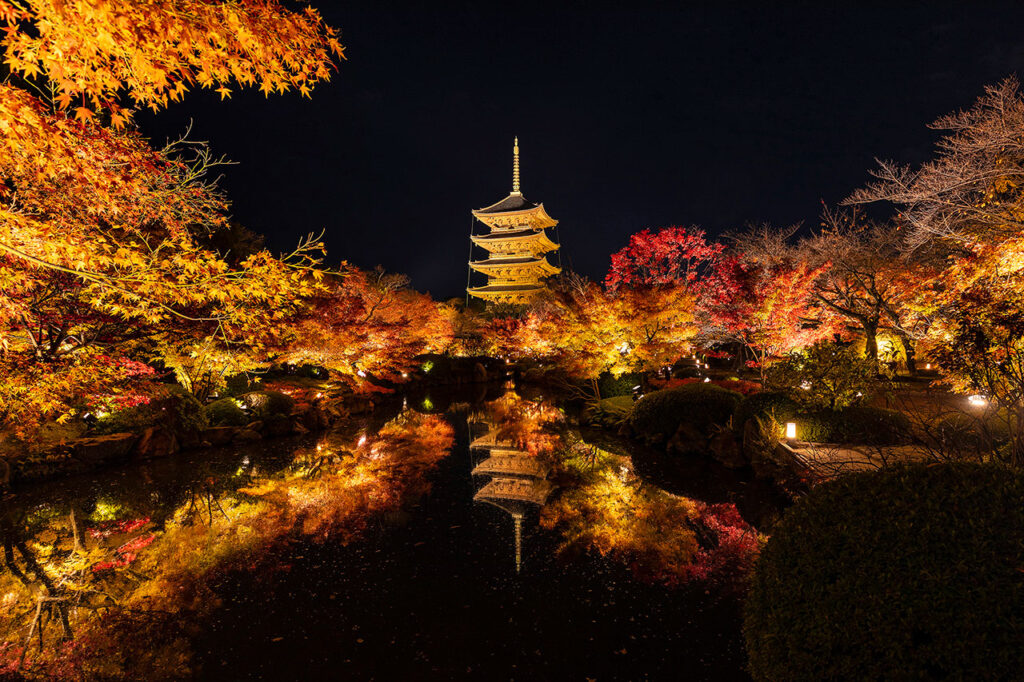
<point x="606" y="508"/>
<point x="603" y="506"/>
<point x="151" y="553"/>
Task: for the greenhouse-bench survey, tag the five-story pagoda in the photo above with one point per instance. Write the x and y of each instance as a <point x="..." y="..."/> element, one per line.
<point x="516" y="246"/>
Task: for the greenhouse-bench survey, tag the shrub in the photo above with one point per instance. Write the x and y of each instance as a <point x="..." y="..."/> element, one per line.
<point x="237" y="384"/>
<point x="170" y="406"/>
<point x="902" y="573"/>
<point x="658" y="415"/>
<point x="609" y="412"/>
<point x="226" y="412"/>
<point x="764" y="405"/>
<point x="965" y="431"/>
<point x="871" y="425"/>
<point x="824" y="376"/>
<point x="741" y="386"/>
<point x="188" y="411"/>
<point x="611" y="386"/>
<point x="129" y="420"/>
<point x="262" y="404"/>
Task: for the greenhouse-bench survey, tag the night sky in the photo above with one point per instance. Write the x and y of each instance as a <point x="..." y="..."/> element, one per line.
<point x="672" y="115"/>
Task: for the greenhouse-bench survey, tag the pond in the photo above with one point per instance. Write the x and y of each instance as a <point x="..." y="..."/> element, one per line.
<point x="481" y="537"/>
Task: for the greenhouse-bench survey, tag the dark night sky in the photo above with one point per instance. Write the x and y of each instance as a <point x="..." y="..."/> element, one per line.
<point x="711" y="115"/>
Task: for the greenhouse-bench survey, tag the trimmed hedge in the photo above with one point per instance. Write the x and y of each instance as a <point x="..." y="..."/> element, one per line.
<point x="609" y="412"/>
<point x="871" y="425"/>
<point x="226" y="412"/>
<point x="903" y="573"/>
<point x="763" y="405"/>
<point x="658" y="415"/>
<point x="611" y="387"/>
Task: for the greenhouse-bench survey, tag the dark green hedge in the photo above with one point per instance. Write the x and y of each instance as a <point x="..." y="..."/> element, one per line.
<point x="764" y="405"/>
<point x="610" y="386"/>
<point x="872" y="425"/>
<point x="658" y="415"/>
<point x="226" y="412"/>
<point x="909" y="573"/>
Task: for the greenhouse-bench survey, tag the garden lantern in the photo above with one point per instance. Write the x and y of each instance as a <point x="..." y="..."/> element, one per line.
<point x="790" y="430"/>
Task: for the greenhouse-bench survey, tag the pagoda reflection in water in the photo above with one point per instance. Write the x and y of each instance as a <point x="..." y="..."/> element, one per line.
<point x="518" y="479"/>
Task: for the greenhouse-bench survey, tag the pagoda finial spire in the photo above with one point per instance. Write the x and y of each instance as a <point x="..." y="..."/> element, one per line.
<point x="515" y="166"/>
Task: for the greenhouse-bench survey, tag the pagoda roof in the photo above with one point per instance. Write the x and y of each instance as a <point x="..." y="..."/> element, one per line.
<point x="512" y="465"/>
<point x="529" y="490"/>
<point x="538" y="264"/>
<point x="508" y="261"/>
<point x="494" y="241"/>
<point x="502" y="289"/>
<point x="508" y="234"/>
<point x="513" y="203"/>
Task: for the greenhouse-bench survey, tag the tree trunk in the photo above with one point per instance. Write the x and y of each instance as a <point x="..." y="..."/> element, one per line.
<point x="871" y="343"/>
<point x="909" y="353"/>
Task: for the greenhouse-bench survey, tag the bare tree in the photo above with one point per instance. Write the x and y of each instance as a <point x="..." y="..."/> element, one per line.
<point x="971" y="190"/>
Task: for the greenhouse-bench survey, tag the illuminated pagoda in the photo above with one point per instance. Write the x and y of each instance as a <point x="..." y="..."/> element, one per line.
<point x="518" y="481"/>
<point x="516" y="246"/>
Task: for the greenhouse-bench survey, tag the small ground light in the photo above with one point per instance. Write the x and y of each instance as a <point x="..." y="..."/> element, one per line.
<point x="362" y="440"/>
<point x="707" y="379"/>
<point x="928" y="365"/>
<point x="977" y="400"/>
<point x="790" y="430"/>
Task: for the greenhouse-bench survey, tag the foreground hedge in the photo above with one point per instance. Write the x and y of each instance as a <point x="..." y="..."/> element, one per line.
<point x="906" y="573"/>
<point x="852" y="425"/>
<point x="658" y="415"/>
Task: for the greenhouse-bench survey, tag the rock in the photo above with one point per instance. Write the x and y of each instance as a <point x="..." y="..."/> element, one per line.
<point x="188" y="438"/>
<point x="246" y="436"/>
<point x="156" y="441"/>
<point x="687" y="440"/>
<point x="277" y="425"/>
<point x="102" y="449"/>
<point x="479" y="372"/>
<point x="725" y="449"/>
<point x="219" y="435"/>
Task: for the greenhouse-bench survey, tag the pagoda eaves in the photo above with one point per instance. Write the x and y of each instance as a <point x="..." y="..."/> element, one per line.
<point x="516" y="244"/>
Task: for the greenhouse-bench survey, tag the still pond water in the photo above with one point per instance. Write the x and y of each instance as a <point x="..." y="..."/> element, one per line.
<point x="489" y="539"/>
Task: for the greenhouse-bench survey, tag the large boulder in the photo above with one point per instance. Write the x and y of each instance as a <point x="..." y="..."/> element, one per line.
<point x="724" y="447"/>
<point x="246" y="436"/>
<point x="102" y="449"/>
<point x="156" y="442"/>
<point x="219" y="435"/>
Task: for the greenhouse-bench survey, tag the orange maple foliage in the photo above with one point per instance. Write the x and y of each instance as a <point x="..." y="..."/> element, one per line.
<point x="92" y="51"/>
<point x="103" y="240"/>
<point x="369" y="323"/>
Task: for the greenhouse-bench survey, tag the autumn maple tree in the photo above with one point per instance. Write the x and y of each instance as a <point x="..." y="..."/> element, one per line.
<point x="760" y="295"/>
<point x="103" y="238"/>
<point x="368" y="323"/>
